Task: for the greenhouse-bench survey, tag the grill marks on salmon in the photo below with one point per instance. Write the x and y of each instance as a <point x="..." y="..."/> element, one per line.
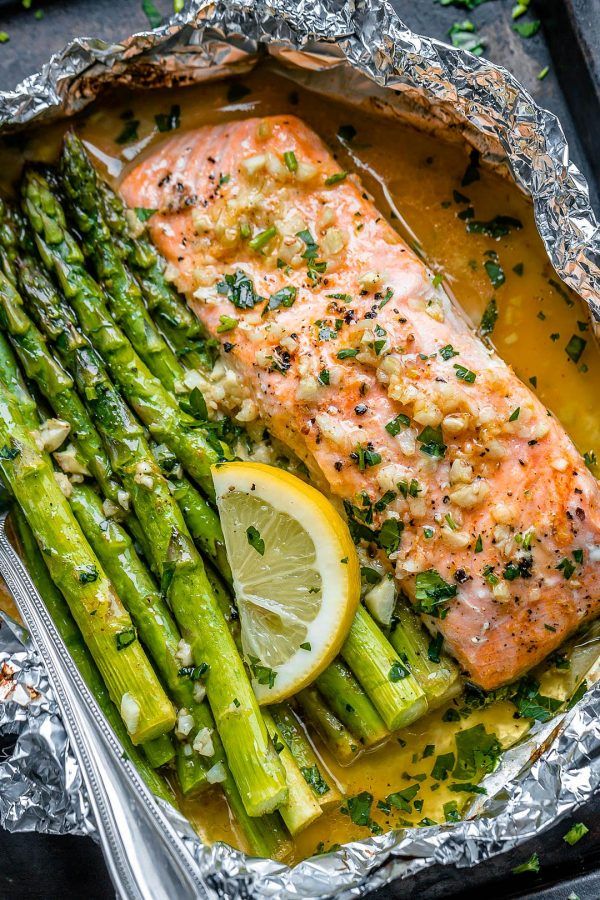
<point x="367" y="371"/>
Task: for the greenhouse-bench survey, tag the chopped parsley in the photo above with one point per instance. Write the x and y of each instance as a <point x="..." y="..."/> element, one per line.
<point x="575" y="347"/>
<point x="489" y="318"/>
<point x="495" y="272"/>
<point x="129" y="132"/>
<point x="389" y="535"/>
<point x="144" y="213"/>
<point x="566" y="567"/>
<point x="365" y="456"/>
<point x="432" y="593"/>
<point x="533" y="705"/>
<point x="194" y="673"/>
<point x="402" y="799"/>
<point x="9" y="453"/>
<point x="410" y="488"/>
<point x="518" y="269"/>
<point x="306" y="646"/>
<point x="443" y="765"/>
<point x="198" y="407"/>
<point x="285" y="296"/>
<point x="464" y="374"/>
<point x="479" y="544"/>
<point x="255" y="540"/>
<point x="472" y="170"/>
<point x="495" y="228"/>
<point x="239" y="289"/>
<point x="347" y="353"/>
<point x="398" y="671"/>
<point x="396" y="425"/>
<point x="477" y="752"/>
<point x="359" y="808"/>
<point x="432" y="442"/>
<point x="87" y="574"/>
<point x="323" y="376"/>
<point x="263" y="674"/>
<point x="448" y="352"/>
<point x="435" y="647"/>
<point x="515" y="414"/>
<point x="315" y="780"/>
<point x="169" y="121"/>
<point x="125" y="638"/>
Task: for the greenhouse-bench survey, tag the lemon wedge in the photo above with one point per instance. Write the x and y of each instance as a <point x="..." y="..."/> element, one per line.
<point x="295" y="573"/>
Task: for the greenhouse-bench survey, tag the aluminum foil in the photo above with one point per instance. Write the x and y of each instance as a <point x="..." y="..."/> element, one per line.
<point x="362" y="52"/>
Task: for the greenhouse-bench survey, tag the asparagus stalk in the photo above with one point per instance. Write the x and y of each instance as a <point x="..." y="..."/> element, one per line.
<point x="78" y="179"/>
<point x="254" y="764"/>
<point x="105" y="625"/>
<point x="8" y="244"/>
<point x="153" y="620"/>
<point x="158" y="751"/>
<point x="292" y="733"/>
<point x="52" y="380"/>
<point x="302" y="808"/>
<point x="440" y="680"/>
<point x="349" y="702"/>
<point x="155" y="406"/>
<point x="62" y="618"/>
<point x="393" y="690"/>
<point x="201" y="519"/>
<point x="340" y="743"/>
<point x="183" y="330"/>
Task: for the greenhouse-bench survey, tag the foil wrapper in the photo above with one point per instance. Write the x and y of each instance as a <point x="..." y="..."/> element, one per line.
<point x="363" y="53"/>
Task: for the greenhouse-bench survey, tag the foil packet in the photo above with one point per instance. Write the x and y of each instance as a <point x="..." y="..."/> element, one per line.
<point x="359" y="51"/>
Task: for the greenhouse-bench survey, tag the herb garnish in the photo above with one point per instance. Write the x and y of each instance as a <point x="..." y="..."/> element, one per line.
<point x="194" y="673"/>
<point x="169" y="121"/>
<point x="432" y="442"/>
<point x="495" y="228"/>
<point x="495" y="272"/>
<point x="87" y="574"/>
<point x="255" y="540"/>
<point x="575" y="347"/>
<point x="125" y="638"/>
<point x="396" y="425"/>
<point x="489" y="318"/>
<point x="530" y="865"/>
<point x="263" y="674"/>
<point x="464" y="374"/>
<point x="285" y="297"/>
<point x="314" y="779"/>
<point x="239" y="289"/>
<point x="129" y="132"/>
<point x="432" y="593"/>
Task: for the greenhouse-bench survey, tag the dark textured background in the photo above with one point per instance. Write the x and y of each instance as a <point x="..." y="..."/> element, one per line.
<point x="33" y="867"/>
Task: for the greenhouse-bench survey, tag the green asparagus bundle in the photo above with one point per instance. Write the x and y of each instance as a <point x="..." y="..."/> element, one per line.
<point x="105" y="625"/>
<point x="155" y="406"/>
<point x="52" y="380"/>
<point x="64" y="622"/>
<point x="263" y="836"/>
<point x="251" y="757"/>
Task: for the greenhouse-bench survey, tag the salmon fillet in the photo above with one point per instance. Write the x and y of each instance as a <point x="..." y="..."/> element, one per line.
<point x="354" y="357"/>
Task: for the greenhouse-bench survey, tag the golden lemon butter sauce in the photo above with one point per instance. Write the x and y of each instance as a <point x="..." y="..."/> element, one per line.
<point x="413" y="177"/>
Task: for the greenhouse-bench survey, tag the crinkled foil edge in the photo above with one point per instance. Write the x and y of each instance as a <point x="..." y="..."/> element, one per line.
<point x="363" y="49"/>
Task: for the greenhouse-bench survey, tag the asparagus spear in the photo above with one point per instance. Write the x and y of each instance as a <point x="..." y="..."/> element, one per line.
<point x="349" y="702"/>
<point x="439" y="679"/>
<point x="8" y="243"/>
<point x="52" y="380"/>
<point x="336" y="738"/>
<point x="78" y="180"/>
<point x="153" y="620"/>
<point x="291" y="731"/>
<point x="302" y="808"/>
<point x="157" y="409"/>
<point x="61" y="616"/>
<point x="104" y="623"/>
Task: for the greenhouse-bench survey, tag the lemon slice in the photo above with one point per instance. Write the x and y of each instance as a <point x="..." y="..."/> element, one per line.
<point x="295" y="573"/>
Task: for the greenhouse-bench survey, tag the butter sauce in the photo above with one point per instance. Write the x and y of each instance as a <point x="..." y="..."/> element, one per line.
<point x="413" y="178"/>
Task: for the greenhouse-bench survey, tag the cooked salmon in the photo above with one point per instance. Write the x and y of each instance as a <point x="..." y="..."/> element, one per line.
<point x="352" y="354"/>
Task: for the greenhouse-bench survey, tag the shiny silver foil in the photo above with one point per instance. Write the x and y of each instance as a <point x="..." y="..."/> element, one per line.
<point x="359" y="51"/>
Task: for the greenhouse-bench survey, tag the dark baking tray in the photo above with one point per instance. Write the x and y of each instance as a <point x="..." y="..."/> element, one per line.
<point x="36" y="866"/>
